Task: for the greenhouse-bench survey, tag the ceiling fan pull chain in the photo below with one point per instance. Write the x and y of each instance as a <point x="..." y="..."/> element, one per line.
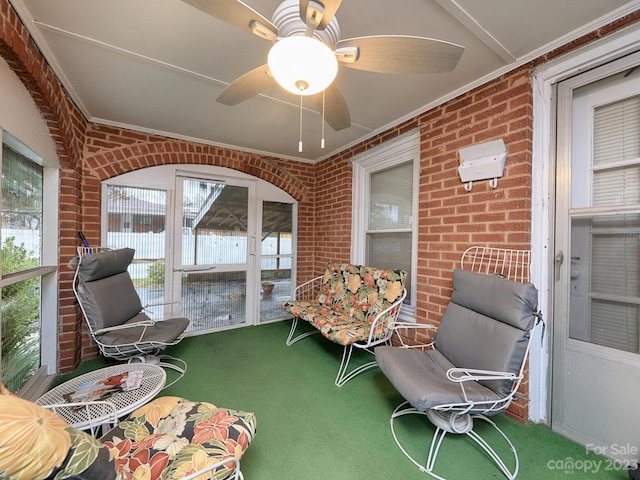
<point x="322" y="139"/>
<point x="300" y="141"/>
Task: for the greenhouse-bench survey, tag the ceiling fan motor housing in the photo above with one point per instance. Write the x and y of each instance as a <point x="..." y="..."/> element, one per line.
<point x="287" y="19"/>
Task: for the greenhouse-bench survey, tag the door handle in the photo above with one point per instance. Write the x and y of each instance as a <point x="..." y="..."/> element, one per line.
<point x="195" y="270"/>
<point x="559" y="260"/>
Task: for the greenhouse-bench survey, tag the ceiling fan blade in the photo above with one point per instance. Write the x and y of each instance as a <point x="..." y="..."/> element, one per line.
<point x="398" y="54"/>
<point x="336" y="111"/>
<point x="248" y="85"/>
<point x="236" y="13"/>
<point x="330" y="9"/>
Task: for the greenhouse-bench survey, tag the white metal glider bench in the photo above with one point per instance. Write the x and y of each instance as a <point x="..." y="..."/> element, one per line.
<point x="352" y="305"/>
<point x="475" y="365"/>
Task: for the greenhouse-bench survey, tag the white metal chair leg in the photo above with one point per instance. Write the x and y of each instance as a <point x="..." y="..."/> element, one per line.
<point x="291" y="339"/>
<point x="165" y="361"/>
<point x="343" y="377"/>
<point x="438" y="437"/>
<point x="511" y="475"/>
<point x="436" y="442"/>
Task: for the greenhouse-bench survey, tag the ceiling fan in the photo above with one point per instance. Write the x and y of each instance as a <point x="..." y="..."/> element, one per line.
<point x="307" y="50"/>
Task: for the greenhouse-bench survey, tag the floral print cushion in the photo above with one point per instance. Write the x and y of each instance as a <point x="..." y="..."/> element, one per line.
<point x="36" y="444"/>
<point x="350" y="298"/>
<point x="308" y="311"/>
<point x="172" y="437"/>
<point x="346" y="332"/>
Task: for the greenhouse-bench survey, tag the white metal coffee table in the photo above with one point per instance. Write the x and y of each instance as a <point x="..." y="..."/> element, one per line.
<point x="124" y="402"/>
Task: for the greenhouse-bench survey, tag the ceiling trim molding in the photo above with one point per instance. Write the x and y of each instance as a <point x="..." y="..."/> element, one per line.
<point x="39" y="40"/>
<point x="460" y="14"/>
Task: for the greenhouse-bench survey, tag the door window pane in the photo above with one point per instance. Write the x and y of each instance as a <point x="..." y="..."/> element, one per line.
<point x="215" y="219"/>
<point x="616" y="126"/>
<point x="605" y="247"/>
<point x="215" y="253"/>
<point x="616" y="153"/>
<point x="605" y="310"/>
<point x="213" y="300"/>
<point x="276" y="258"/>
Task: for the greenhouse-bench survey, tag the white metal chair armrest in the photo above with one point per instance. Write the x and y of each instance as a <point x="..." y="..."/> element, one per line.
<point x="469" y="374"/>
<point x="393" y="311"/>
<point x="145" y="323"/>
<point x="308" y="290"/>
<point x="407" y="326"/>
<point x="149" y="310"/>
<point x="160" y="304"/>
<point x="463" y="375"/>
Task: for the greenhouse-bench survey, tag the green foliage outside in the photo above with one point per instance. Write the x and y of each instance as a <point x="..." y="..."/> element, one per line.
<point x="20" y="318"/>
<point x="154" y="278"/>
<point x="156" y="273"/>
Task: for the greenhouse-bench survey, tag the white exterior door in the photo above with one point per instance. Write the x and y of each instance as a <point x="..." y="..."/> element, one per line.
<point x="215" y="245"/>
<point x="596" y="337"/>
<point x="215" y="255"/>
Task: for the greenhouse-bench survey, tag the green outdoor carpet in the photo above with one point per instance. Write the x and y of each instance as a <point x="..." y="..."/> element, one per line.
<point x="308" y="429"/>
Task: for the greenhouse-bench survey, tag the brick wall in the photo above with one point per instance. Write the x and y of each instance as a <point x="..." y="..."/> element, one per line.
<point x="66" y="125"/>
<point x="450" y="219"/>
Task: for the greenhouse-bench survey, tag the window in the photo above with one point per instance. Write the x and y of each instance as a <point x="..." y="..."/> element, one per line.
<point x="609" y="228"/>
<point x="25" y="283"/>
<point x="385" y="209"/>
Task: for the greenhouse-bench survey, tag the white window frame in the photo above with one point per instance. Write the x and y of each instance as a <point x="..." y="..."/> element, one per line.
<point x="403" y="149"/>
<point x="47" y="271"/>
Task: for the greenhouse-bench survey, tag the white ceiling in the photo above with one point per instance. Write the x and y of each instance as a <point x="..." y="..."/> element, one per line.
<point x="158" y="65"/>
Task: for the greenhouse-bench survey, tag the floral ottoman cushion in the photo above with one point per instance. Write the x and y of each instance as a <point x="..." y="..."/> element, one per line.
<point x="176" y="437"/>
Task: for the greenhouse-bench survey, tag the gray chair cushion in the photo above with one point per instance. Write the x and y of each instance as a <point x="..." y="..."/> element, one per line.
<point x="486" y="326"/>
<point x="146" y="339"/>
<point x="104" y="264"/>
<point x="509" y="302"/>
<point x="109" y="301"/>
<point x="421" y="378"/>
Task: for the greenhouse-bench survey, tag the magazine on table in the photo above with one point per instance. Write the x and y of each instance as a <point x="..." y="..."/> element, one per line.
<point x="104" y="388"/>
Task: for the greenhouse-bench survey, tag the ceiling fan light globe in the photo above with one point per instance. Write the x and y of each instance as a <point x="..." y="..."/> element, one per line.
<point x="302" y="65"/>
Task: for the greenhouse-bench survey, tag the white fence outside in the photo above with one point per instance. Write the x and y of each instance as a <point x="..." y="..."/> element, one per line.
<point x="212" y="249"/>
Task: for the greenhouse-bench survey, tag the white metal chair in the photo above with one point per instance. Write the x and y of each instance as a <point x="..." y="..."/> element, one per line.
<point x="474" y="367"/>
<point x="114" y="315"/>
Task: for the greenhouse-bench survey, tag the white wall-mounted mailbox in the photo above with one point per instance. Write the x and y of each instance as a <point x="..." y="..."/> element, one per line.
<point x="481" y="162"/>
